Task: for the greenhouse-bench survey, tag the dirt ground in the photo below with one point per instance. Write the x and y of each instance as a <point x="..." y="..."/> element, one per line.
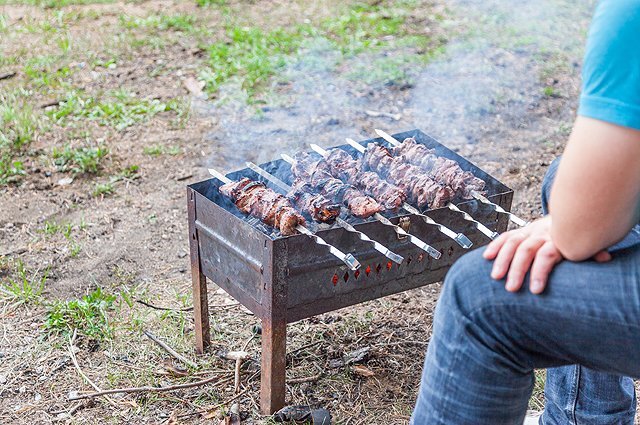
<point x="497" y="85"/>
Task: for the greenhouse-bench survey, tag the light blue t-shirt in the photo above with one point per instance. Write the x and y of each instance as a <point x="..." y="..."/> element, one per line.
<point x="611" y="69"/>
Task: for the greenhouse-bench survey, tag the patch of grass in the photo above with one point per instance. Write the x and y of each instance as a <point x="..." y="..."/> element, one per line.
<point x="252" y="56"/>
<point x="89" y="315"/>
<point x="119" y="109"/>
<point x="79" y="160"/>
<point x="43" y="72"/>
<point x="157" y="150"/>
<point x="51" y="4"/>
<point x="19" y="126"/>
<point x="179" y="22"/>
<point x="536" y="402"/>
<point x="50" y="228"/>
<point x="202" y="3"/>
<point x="4" y="23"/>
<point x="250" y="53"/>
<point x="362" y="28"/>
<point x="24" y="287"/>
<point x="550" y="91"/>
<point x="103" y="189"/>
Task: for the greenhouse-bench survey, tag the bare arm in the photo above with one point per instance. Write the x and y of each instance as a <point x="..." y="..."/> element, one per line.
<point x="596" y="193"/>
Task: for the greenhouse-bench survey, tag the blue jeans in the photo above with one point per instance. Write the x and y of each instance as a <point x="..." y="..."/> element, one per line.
<point x="486" y="343"/>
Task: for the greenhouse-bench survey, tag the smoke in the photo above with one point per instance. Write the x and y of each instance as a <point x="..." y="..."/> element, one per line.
<point x="490" y="78"/>
<point x="493" y="80"/>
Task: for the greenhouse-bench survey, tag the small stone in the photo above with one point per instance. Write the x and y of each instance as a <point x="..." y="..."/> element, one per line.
<point x="37" y="397"/>
<point x="182" y="254"/>
<point x="22" y="389"/>
<point x="65" y="181"/>
<point x="3" y="379"/>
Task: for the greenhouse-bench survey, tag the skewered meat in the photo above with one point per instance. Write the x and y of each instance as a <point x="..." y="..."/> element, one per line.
<point x="442" y="170"/>
<point x="420" y="188"/>
<point x="317" y="206"/>
<point x="253" y="198"/>
<point x="315" y="173"/>
<point x="342" y="165"/>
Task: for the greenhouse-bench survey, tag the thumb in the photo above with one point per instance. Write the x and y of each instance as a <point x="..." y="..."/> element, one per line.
<point x="602" y="257"/>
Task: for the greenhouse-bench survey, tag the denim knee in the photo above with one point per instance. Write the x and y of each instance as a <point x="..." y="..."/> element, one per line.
<point x="547" y="182"/>
<point x="467" y="284"/>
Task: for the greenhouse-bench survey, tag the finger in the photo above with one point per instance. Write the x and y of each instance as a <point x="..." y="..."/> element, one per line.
<point x="495" y="245"/>
<point x="521" y="263"/>
<point x="602" y="257"/>
<point x="546" y="258"/>
<point x="504" y="257"/>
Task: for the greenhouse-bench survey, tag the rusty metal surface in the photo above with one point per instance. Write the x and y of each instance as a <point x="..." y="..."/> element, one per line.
<point x="312" y="281"/>
<point x="199" y="283"/>
<point x="285" y="279"/>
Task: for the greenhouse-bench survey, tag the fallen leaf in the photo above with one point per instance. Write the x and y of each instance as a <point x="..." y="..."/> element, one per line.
<point x="362" y="370"/>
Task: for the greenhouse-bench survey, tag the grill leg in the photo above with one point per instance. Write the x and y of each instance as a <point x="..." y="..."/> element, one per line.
<point x="272" y="379"/>
<point x="199" y="282"/>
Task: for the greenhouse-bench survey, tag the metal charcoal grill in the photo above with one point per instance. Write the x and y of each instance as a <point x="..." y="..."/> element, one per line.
<point x="286" y="279"/>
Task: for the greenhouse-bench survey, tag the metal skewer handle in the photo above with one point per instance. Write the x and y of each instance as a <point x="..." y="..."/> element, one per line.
<point x="399" y="230"/>
<point x="514" y="218"/>
<point x="348" y="259"/>
<point x="497" y="208"/>
<point x="378" y="246"/>
<point x="484" y="229"/>
<point x="460" y="238"/>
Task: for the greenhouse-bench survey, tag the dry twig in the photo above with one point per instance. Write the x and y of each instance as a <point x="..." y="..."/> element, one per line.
<point x="85" y="377"/>
<point x="170" y="350"/>
<point x="144" y="389"/>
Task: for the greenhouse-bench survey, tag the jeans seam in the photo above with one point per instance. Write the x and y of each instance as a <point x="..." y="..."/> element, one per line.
<point x="575" y="390"/>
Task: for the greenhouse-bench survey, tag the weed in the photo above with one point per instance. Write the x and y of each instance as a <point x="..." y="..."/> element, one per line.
<point x="4" y="25"/>
<point x="157" y="150"/>
<point x="211" y="2"/>
<point x="25" y="288"/>
<point x="51" y="228"/>
<point x="179" y="22"/>
<point x="253" y="54"/>
<point x="79" y="160"/>
<point x="129" y="173"/>
<point x="550" y="91"/>
<point x="119" y="109"/>
<point x="361" y="28"/>
<point x="88" y="315"/>
<point x="75" y="249"/>
<point x="103" y="189"/>
<point x="43" y="71"/>
<point x="18" y="122"/>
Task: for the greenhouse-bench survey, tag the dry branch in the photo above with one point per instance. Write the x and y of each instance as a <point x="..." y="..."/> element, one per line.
<point x="86" y="378"/>
<point x="170" y="350"/>
<point x="144" y="389"/>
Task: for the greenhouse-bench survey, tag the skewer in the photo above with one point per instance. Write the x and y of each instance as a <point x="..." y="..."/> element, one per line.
<point x="378" y="246"/>
<point x="460" y="238"/>
<point x="348" y="259"/>
<point x="514" y="218"/>
<point x="399" y="230"/>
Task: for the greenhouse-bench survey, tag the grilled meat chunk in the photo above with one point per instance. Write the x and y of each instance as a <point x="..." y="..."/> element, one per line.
<point x="342" y="165"/>
<point x="252" y="197"/>
<point x="317" y="206"/>
<point x="419" y="187"/>
<point x="317" y="174"/>
<point x="440" y="169"/>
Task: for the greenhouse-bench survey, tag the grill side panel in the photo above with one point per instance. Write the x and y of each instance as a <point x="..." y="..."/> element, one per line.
<point x="232" y="253"/>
